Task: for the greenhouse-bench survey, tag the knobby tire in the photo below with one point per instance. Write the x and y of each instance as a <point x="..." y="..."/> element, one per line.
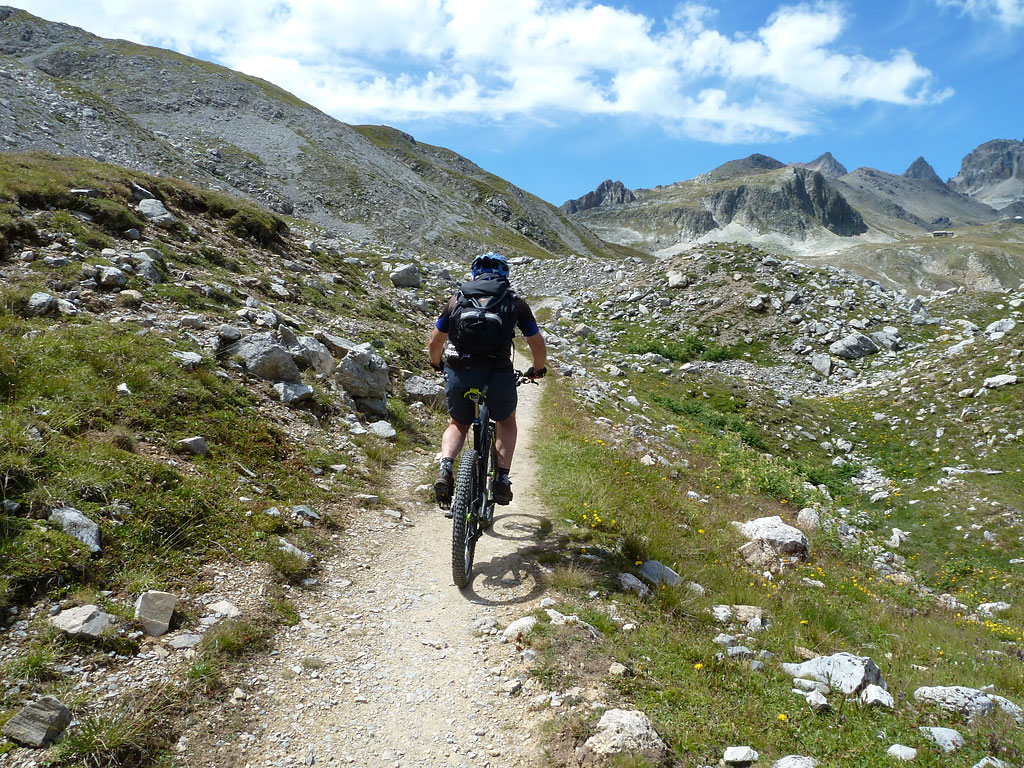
<point x="464" y="523"/>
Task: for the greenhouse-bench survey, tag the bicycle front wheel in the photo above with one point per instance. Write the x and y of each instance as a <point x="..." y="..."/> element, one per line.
<point x="464" y="522"/>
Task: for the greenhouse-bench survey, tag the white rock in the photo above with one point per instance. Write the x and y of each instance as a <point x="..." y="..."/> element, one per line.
<point x="619" y="731"/>
<point x="900" y="752"/>
<point x="817" y="701"/>
<point x="949" y="739"/>
<point x="808" y="519"/>
<point x="990" y="609"/>
<point x="1002" y="380"/>
<point x="196" y="446"/>
<point x="739" y="756"/>
<point x="40" y="304"/>
<point x="224" y="607"/>
<point x="842" y="671"/>
<point x="78" y="526"/>
<point x="154" y="610"/>
<point x="795" y="761"/>
<point x="382" y="429"/>
<point x="783" y="538"/>
<point x="876" y="696"/>
<point x="86" y="620"/>
<point x="957" y="698"/>
<point x="520" y="626"/>
<point x="991" y="762"/>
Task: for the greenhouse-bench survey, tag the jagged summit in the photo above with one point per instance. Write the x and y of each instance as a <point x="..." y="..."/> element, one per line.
<point x="826" y="165"/>
<point x="607" y="192"/>
<point x="921" y="169"/>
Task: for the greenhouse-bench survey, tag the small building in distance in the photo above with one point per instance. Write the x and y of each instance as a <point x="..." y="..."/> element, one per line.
<point x="943" y="233"/>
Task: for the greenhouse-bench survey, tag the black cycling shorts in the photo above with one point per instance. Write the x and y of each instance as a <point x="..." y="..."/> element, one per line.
<point x="501" y="392"/>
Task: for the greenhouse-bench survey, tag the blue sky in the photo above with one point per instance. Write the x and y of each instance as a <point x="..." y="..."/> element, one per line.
<point x="557" y="95"/>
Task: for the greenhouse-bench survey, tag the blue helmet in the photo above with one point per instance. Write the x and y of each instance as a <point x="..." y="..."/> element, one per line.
<point x="490" y="265"/>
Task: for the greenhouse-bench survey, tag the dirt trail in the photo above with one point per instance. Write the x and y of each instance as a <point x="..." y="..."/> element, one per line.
<point x="386" y="667"/>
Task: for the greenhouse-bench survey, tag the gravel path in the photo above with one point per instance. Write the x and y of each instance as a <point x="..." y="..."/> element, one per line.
<point x="392" y="665"/>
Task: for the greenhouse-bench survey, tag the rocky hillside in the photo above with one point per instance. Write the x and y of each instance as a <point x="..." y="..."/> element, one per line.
<point x="993" y="173"/>
<point x="70" y="92"/>
<point x="750" y="199"/>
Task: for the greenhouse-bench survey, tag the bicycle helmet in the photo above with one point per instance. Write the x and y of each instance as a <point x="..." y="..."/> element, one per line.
<point x="490" y="265"/>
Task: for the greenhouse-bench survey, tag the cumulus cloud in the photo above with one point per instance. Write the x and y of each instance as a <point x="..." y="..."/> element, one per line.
<point x="1008" y="12"/>
<point x="492" y="59"/>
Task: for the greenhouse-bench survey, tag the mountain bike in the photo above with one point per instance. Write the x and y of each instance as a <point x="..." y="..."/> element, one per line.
<point x="472" y="507"/>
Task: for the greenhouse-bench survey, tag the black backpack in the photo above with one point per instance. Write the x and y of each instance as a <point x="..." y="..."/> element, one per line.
<point x="482" y="323"/>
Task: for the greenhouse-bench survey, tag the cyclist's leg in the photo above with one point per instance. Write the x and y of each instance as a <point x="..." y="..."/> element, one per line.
<point x="453" y="438"/>
<point x="505" y="441"/>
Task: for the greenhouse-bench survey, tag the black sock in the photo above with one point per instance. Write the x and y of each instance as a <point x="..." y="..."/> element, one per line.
<point x="502" y="474"/>
<point x="447" y="464"/>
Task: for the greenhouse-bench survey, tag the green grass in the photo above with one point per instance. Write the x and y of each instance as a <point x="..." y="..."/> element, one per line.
<point x="618" y="505"/>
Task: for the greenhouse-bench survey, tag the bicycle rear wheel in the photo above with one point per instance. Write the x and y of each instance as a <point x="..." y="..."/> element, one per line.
<point x="464" y="522"/>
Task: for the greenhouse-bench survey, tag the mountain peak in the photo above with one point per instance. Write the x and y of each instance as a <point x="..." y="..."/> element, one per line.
<point x="752" y="163"/>
<point x="921" y="169"/>
<point x="826" y="165"/>
<point x="608" y="191"/>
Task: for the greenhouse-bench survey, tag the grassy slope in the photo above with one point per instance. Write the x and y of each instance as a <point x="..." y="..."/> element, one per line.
<point x="725" y="442"/>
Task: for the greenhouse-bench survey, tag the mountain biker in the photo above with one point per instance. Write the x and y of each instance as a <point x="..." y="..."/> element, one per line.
<point x="480" y="320"/>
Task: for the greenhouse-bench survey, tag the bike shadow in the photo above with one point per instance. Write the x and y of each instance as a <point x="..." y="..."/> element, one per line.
<point x="513" y="577"/>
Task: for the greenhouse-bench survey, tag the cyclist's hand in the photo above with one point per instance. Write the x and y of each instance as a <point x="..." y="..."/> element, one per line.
<point x="436" y="366"/>
<point x="532" y="374"/>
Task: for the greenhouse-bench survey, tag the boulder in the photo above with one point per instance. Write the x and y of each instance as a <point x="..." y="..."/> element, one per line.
<point x="364" y="375"/>
<point x="631" y="583"/>
<point x="877" y="696"/>
<point x="949" y="739"/>
<point x="406" y="276"/>
<point x="264" y="357"/>
<point x="111" y="278"/>
<point x="382" y="429"/>
<point x="154" y="610"/>
<point x="86" y="620"/>
<point x="519" y="626"/>
<point x="196" y="446"/>
<point x="761" y="555"/>
<point x="292" y="394"/>
<point x="841" y="671"/>
<point x="310" y="353"/>
<point x="808" y="519"/>
<point x="1002" y="380"/>
<point x="784" y="539"/>
<point x="145" y="267"/>
<point x="854" y="346"/>
<point x="40" y="304"/>
<point x="1000" y="328"/>
<point x="188" y="360"/>
<point x="78" y="526"/>
<point x="740" y="756"/>
<point x="901" y="752"/>
<point x="39" y="723"/>
<point x="430" y="392"/>
<point x="623" y="731"/>
<point x="677" y="279"/>
<point x="888" y="338"/>
<point x="795" y="761"/>
<point x="758" y="304"/>
<point x="969" y="702"/>
<point x="658" y="573"/>
<point x="822" y="363"/>
<point x="156" y="212"/>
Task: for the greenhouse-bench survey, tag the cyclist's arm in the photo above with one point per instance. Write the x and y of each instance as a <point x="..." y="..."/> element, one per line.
<point x="436" y="345"/>
<point x="539" y="350"/>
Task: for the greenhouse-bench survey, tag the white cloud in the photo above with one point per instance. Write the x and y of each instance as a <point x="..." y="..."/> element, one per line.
<point x="1008" y="12"/>
<point x="490" y="59"/>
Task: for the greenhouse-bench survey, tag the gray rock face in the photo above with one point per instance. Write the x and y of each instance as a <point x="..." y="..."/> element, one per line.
<point x="822" y="364"/>
<point x="77" y="525"/>
<point x="86" y="620"/>
<point x="430" y="392"/>
<point x="145" y="267"/>
<point x="40" y="304"/>
<point x="264" y="357"/>
<point x="608" y="192"/>
<point x="39" y="723"/>
<point x="365" y="376"/>
<point x="993" y="173"/>
<point x="957" y="698"/>
<point x="853" y="347"/>
<point x="406" y="276"/>
<point x="784" y="539"/>
<point x="310" y="353"/>
<point x="154" y="610"/>
<point x="620" y="731"/>
<point x="842" y="671"/>
<point x="157" y="212"/>
<point x="111" y="278"/>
